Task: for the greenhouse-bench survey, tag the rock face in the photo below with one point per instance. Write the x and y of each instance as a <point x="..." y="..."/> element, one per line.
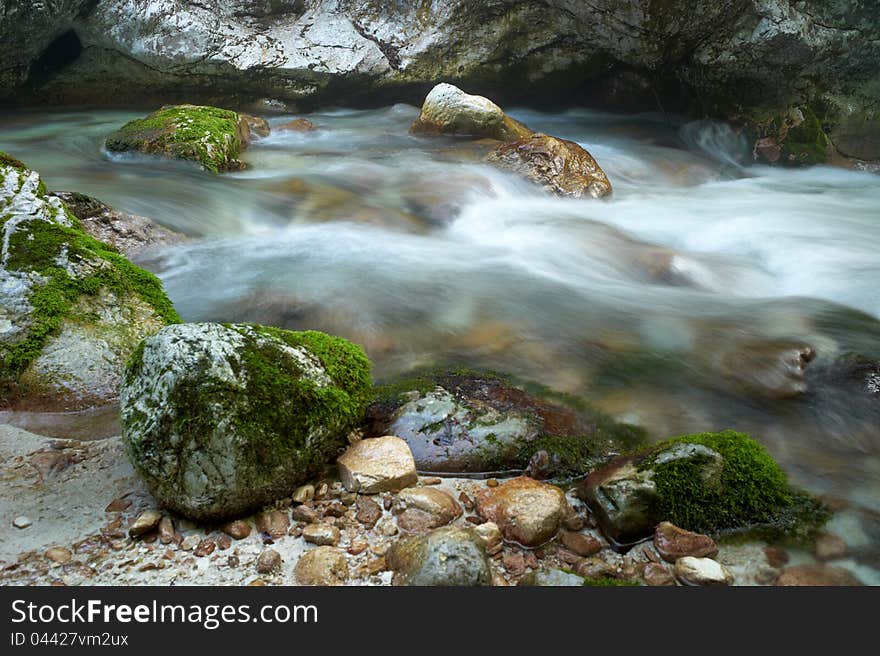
<point x="480" y="423"/>
<point x="527" y="511"/>
<point x="211" y="136"/>
<point x="754" y="59"/>
<point x="72" y="309"/>
<point x="559" y="166"/>
<point x="381" y="464"/>
<point x="707" y="482"/>
<point x="222" y="419"/>
<point x="448" y="556"/>
<point x="449" y="110"/>
<point x="127" y="233"/>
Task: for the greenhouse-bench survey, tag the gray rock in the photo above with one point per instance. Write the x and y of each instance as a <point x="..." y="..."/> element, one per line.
<point x="556" y="578"/>
<point x="220" y="420"/>
<point x="449" y="110"/>
<point x="448" y="556"/>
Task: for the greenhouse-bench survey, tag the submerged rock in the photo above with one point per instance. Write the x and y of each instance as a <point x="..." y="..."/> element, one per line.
<point x="771" y="368"/>
<point x="558" y="165"/>
<point x="448" y="556"/>
<point x="297" y="125"/>
<point x="527" y="511"/>
<point x="211" y="136"/>
<point x="256" y="126"/>
<point x="449" y="110"/>
<point x="72" y="309"/>
<point x="476" y="423"/>
<point x="706" y="482"/>
<point x="220" y="420"/>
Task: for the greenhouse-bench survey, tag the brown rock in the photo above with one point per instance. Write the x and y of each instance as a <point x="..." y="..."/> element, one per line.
<point x="830" y="547"/>
<point x="420" y="509"/>
<point x="224" y="542"/>
<point x="673" y="543"/>
<point x="256" y="125"/>
<point x="574" y="522"/>
<point x="527" y="511"/>
<point x="335" y="509"/>
<point x="490" y="535"/>
<point x="297" y="125"/>
<point x="273" y="522"/>
<point x="558" y="165"/>
<point x="582" y="545"/>
<point x="322" y="566"/>
<point x="817" y="575"/>
<point x="304" y="493"/>
<point x="431" y="480"/>
<point x="656" y="574"/>
<point x="380" y="464"/>
<point x="368" y="512"/>
<point x="60" y="555"/>
<point x="357" y="547"/>
<point x="595" y="568"/>
<point x="321" y="534"/>
<point x="514" y="563"/>
<point x="466" y="502"/>
<point x="205" y="547"/>
<point x="268" y="561"/>
<point x="166" y="530"/>
<point x="492" y="482"/>
<point x="238" y="529"/>
<point x="145" y="522"/>
<point x="118" y="505"/>
<point x="776" y="557"/>
<point x="190" y="542"/>
<point x="305" y="514"/>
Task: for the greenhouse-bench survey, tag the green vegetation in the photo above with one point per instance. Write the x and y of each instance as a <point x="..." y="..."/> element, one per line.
<point x="9" y="160"/>
<point x="208" y="135"/>
<point x="805" y="143"/>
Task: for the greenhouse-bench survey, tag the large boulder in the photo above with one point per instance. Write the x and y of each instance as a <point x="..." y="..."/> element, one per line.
<point x="211" y="136"/>
<point x="473" y="422"/>
<point x="221" y="419"/>
<point x="712" y="483"/>
<point x="72" y="309"/>
<point x="449" y="110"/>
<point x="558" y="165"/>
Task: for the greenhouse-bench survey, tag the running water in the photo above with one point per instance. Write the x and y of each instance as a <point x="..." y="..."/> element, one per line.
<point x="674" y="305"/>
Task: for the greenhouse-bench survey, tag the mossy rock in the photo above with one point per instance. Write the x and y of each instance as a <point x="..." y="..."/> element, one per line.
<point x="717" y="483"/>
<point x="794" y="137"/>
<point x="211" y="136"/>
<point x="222" y="419"/>
<point x="466" y="421"/>
<point x="72" y="309"/>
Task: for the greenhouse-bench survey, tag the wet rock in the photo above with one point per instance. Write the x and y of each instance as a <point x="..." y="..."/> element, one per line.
<point x="448" y="556"/>
<point x="449" y="110"/>
<point x="559" y="166"/>
<point x="656" y="574"/>
<point x="60" y="555"/>
<point x="556" y="578"/>
<point x="268" y="561"/>
<point x="297" y="125"/>
<point x="480" y="423"/>
<point x="304" y="493"/>
<point x="673" y="543"/>
<point x="491" y="536"/>
<point x="205" y="547"/>
<point x="830" y="547"/>
<point x="273" y="522"/>
<point x="701" y="571"/>
<point x="322" y="566"/>
<point x="190" y="542"/>
<point x="166" y="530"/>
<point x="237" y="529"/>
<point x="582" y="545"/>
<point x="21" y="522"/>
<point x="527" y="511"/>
<point x="256" y="126"/>
<point x="594" y="568"/>
<point x="264" y="408"/>
<point x="773" y="369"/>
<point x="305" y="514"/>
<point x="127" y="233"/>
<point x="420" y="509"/>
<point x="223" y="542"/>
<point x="321" y="534"/>
<point x="376" y="465"/>
<point x="817" y="575"/>
<point x="147" y="521"/>
<point x="368" y="512"/>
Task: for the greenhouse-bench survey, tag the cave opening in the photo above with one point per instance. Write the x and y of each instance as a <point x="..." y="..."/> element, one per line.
<point x="63" y="51"/>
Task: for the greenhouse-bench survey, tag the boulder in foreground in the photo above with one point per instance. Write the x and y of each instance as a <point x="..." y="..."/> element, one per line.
<point x="448" y="556"/>
<point x="222" y="419"/>
<point x="449" y="110"/>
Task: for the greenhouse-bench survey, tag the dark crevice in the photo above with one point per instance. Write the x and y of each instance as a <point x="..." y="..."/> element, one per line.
<point x="59" y="54"/>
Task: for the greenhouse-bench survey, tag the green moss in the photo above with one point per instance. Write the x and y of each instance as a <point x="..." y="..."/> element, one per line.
<point x="9" y="160"/>
<point x="208" y="135"/>
<point x="752" y="492"/>
<point x="609" y="582"/>
<point x="806" y="143"/>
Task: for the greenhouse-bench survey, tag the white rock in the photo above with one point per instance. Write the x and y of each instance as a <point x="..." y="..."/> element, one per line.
<point x="379" y="464"/>
<point x="21" y="522"/>
<point x="701" y="571"/>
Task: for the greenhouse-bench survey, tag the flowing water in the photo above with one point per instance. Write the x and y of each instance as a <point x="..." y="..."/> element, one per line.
<point x="669" y="305"/>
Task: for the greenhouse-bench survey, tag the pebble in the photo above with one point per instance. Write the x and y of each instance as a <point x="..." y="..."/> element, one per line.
<point x="335" y="509"/>
<point x="321" y="491"/>
<point x="830" y="547"/>
<point x="273" y="522"/>
<point x="582" y="545"/>
<point x="466" y="501"/>
<point x="305" y="514"/>
<point x="431" y="480"/>
<point x="145" y="522"/>
<point x="490" y="535"/>
<point x="304" y="493"/>
<point x="166" y="530"/>
<point x="701" y="571"/>
<point x="492" y="482"/>
<point x="656" y="574"/>
<point x="673" y="543"/>
<point x="118" y="505"/>
<point x="321" y="534"/>
<point x="386" y="527"/>
<point x="268" y="561"/>
<point x="357" y="547"/>
<point x="574" y="523"/>
<point x="21" y="522"/>
<point x="59" y="555"/>
<point x="381" y="464"/>
<point x="232" y="561"/>
<point x="322" y="566"/>
<point x="190" y="542"/>
<point x="205" y="547"/>
<point x="368" y="512"/>
<point x="238" y="529"/>
<point x="515" y="564"/>
<point x="224" y="542"/>
<point x="595" y="568"/>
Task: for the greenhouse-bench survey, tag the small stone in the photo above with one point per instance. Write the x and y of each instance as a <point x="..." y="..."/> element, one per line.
<point x="376" y="465"/>
<point x="357" y="547"/>
<point x="205" y="547"/>
<point x="490" y="535"/>
<point x="232" y="561"/>
<point x="595" y="568"/>
<point x="118" y="505"/>
<point x="830" y="547"/>
<point x="257" y="583"/>
<point x="273" y="522"/>
<point x="321" y="534"/>
<point x="574" y="523"/>
<point x="296" y="530"/>
<point x="475" y="519"/>
<point x="335" y="509"/>
<point x="304" y="493"/>
<point x="701" y="571"/>
<point x="582" y="545"/>
<point x="368" y="512"/>
<point x="322" y="566"/>
<point x="386" y="527"/>
<point x="145" y="522"/>
<point x="322" y="491"/>
<point x="224" y="542"/>
<point x="776" y="557"/>
<point x="268" y="561"/>
<point x="387" y="501"/>
<point x="569" y="557"/>
<point x="21" y="522"/>
<point x="305" y="514"/>
<point x="515" y="564"/>
<point x="431" y="480"/>
<point x="60" y="555"/>
<point x="381" y="548"/>
<point x="817" y="575"/>
<point x="376" y="565"/>
<point x="238" y="529"/>
<point x="531" y="560"/>
<point x="190" y="542"/>
<point x="421" y="509"/>
<point x="527" y="511"/>
<point x="348" y="498"/>
<point x="466" y="501"/>
<point x="492" y="482"/>
<point x="673" y="543"/>
<point x="166" y="530"/>
<point x="656" y="574"/>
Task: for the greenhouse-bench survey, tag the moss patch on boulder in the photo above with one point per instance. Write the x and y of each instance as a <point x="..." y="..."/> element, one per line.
<point x="211" y="136"/>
